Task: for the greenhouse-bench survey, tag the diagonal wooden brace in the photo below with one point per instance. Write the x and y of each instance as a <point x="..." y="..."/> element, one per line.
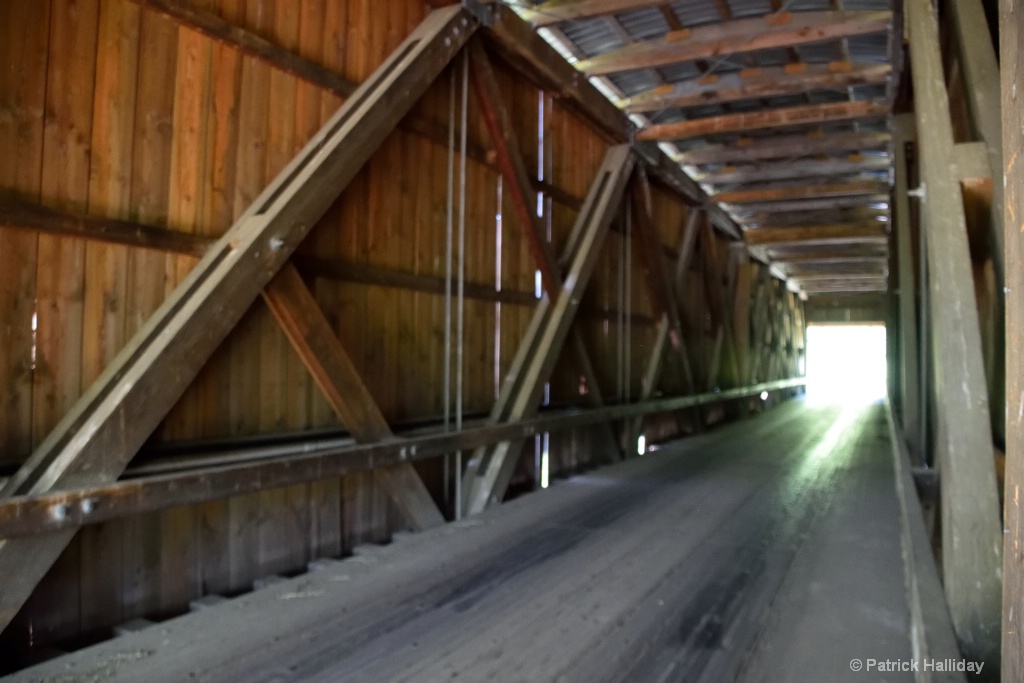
<point x="490" y="469"/>
<point x="108" y="425"/>
<point x="306" y="327"/>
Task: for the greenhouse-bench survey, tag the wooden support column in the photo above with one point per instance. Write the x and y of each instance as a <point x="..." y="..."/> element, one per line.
<point x="970" y="503"/>
<point x="98" y="437"/>
<point x="910" y="392"/>
<point x="980" y="71"/>
<point x="490" y="469"/>
<point x="306" y="327"/>
<point x="1011" y="47"/>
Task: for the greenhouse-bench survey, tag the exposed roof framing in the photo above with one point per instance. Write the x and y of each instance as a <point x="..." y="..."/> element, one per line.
<point x="738" y="36"/>
<point x="801" y="169"/>
<point x="831" y="112"/>
<point x="792" y="79"/>
<point x="776" y="115"/>
<point x="802" y="191"/>
<point x="790" y="146"/>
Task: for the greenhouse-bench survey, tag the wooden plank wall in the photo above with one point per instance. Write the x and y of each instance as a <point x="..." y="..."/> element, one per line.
<point x="110" y="109"/>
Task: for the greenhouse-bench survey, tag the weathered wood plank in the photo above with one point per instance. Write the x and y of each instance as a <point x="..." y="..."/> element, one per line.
<point x="813" y="203"/>
<point x="819" y="234"/>
<point x="786" y="147"/>
<point x="776" y="81"/>
<point x="99" y="435"/>
<point x="802" y="115"/>
<point x="21" y="137"/>
<point x="1011" y="49"/>
<point x="738" y="37"/>
<point x="970" y="502"/>
<point x="815" y="170"/>
<point x="853" y="189"/>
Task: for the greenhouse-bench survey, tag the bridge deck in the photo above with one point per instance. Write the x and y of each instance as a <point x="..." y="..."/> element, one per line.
<point x="766" y="550"/>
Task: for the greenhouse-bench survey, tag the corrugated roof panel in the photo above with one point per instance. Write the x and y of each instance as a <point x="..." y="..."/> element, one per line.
<point x="821" y="53"/>
<point x="693" y="13"/>
<point x="854" y="5"/>
<point x="787" y="101"/>
<point x="774" y="57"/>
<point x="871" y="48"/>
<point x="827" y="96"/>
<point x="807" y="5"/>
<point x="703" y="112"/>
<point x="644" y="24"/>
<point x="633" y="82"/>
<point x="869" y="92"/>
<point x="591" y="36"/>
<point x="750" y="8"/>
<point x="684" y="71"/>
<point x="667" y="116"/>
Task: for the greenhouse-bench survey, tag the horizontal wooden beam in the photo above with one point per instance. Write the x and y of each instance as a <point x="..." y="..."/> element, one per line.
<point x="839" y="277"/>
<point x="828" y="258"/>
<point x="810" y="203"/>
<point x="779" y="219"/>
<point x="786" y="147"/>
<point x="823" y="289"/>
<point x="794" y="169"/>
<point x="736" y="37"/>
<point x="822" y="234"/>
<point x="214" y="26"/>
<point x="556" y="11"/>
<point x="801" y="192"/>
<point x="792" y="79"/>
<point x="17" y="214"/>
<point x="46" y="513"/>
<point x="807" y="114"/>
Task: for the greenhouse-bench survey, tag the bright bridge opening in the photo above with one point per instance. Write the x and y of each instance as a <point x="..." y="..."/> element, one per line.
<point x="845" y="363"/>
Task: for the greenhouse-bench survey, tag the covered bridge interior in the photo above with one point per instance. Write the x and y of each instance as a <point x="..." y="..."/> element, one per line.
<point x="415" y="340"/>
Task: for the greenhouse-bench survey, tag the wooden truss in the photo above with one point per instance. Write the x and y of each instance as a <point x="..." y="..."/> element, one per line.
<point x="95" y="441"/>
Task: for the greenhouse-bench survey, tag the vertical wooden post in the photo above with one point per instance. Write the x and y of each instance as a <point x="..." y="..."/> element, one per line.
<point x="1011" y="41"/>
<point x="908" y="380"/>
<point x="981" y="86"/>
<point x="970" y="503"/>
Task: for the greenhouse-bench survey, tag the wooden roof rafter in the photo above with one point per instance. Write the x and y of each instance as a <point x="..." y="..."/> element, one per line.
<point x="843" y="233"/>
<point x="736" y="37"/>
<point x="813" y="142"/>
<point x="796" y="169"/>
<point x="831" y="112"/>
<point x="804" y="191"/>
<point x="792" y="79"/>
